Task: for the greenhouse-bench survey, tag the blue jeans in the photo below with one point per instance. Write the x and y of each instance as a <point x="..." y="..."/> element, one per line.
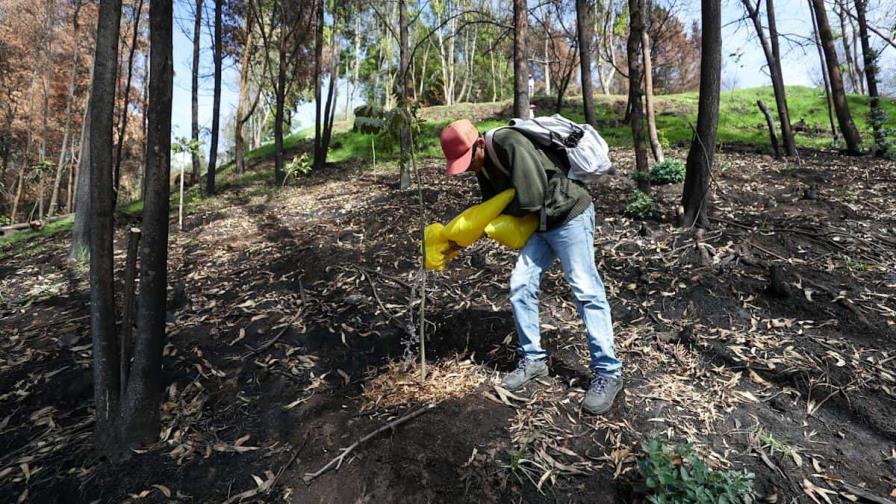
<point x="573" y="244"/>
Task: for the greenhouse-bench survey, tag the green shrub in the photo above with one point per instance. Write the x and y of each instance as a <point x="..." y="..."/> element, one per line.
<point x="668" y="171"/>
<point x="300" y="165"/>
<point x="676" y="475"/>
<point x="640" y="206"/>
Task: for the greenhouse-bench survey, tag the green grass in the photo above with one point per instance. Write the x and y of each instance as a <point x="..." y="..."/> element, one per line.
<point x="53" y="228"/>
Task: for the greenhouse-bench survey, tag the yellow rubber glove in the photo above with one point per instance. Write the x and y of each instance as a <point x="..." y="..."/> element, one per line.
<point x="512" y="231"/>
<point x="469" y="225"/>
<point x="438" y="249"/>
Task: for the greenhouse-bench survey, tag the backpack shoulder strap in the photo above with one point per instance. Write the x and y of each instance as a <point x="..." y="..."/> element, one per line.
<point x="490" y="150"/>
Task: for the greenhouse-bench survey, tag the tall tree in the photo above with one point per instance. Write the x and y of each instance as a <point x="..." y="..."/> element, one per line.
<point x="520" y="63"/>
<point x="216" y="104"/>
<point x="126" y="98"/>
<point x="584" y="28"/>
<point x="106" y="381"/>
<point x="285" y="35"/>
<point x="404" y="93"/>
<point x="824" y="75"/>
<point x="142" y="402"/>
<point x="870" y="57"/>
<point x="773" y="59"/>
<point x="70" y="97"/>
<point x="841" y="107"/>
<point x="194" y="90"/>
<point x="636" y="27"/>
<point x="700" y="156"/>
<point x="244" y="110"/>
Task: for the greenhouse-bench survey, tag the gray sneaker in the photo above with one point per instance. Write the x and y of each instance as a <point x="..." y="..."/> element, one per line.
<point x="601" y="394"/>
<point x="526" y="371"/>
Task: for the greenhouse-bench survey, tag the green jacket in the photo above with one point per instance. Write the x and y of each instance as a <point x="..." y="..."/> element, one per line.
<point x="539" y="177"/>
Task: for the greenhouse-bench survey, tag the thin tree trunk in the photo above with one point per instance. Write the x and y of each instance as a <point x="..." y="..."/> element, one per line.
<point x="847" y="50"/>
<point x="771" y="129"/>
<point x="194" y="91"/>
<point x="123" y="121"/>
<point x="520" y="63"/>
<point x="584" y="17"/>
<point x="655" y="146"/>
<point x="330" y="107"/>
<point x="781" y="93"/>
<point x="824" y="76"/>
<point x="141" y="407"/>
<point x="15" y="202"/>
<point x="404" y="61"/>
<point x="280" y="91"/>
<point x="772" y="58"/>
<point x="106" y="378"/>
<point x="216" y="104"/>
<point x="695" y="197"/>
<point x="319" y="157"/>
<point x="54" y="198"/>
<point x="635" y="9"/>
<point x="48" y="75"/>
<point x="841" y="107"/>
<point x="878" y="116"/>
<point x="83" y="213"/>
<point x="239" y="143"/>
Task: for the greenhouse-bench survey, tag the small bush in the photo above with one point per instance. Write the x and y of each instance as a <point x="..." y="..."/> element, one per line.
<point x="300" y="165"/>
<point x="641" y="206"/>
<point x="668" y="171"/>
<point x="676" y="475"/>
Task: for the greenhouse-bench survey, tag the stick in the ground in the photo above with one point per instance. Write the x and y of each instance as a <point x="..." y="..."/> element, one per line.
<point x="309" y="477"/>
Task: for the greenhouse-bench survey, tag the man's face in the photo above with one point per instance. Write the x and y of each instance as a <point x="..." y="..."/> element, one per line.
<point x="478" y="160"/>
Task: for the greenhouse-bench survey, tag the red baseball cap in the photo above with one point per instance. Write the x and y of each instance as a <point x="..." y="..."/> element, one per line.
<point x="457" y="141"/>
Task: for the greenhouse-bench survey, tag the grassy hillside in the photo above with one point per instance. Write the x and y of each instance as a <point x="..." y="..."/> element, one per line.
<point x="740" y="121"/>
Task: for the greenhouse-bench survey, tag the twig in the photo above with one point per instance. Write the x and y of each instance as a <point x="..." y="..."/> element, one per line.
<point x="272" y="340"/>
<point x="337" y="461"/>
<point x="285" y="466"/>
<point x="864" y="494"/>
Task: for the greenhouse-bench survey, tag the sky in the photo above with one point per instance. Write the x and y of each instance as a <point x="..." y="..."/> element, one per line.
<point x="742" y="60"/>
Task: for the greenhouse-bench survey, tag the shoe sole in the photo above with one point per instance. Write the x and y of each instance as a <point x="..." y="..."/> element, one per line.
<point x="545" y="374"/>
<point x="608" y="408"/>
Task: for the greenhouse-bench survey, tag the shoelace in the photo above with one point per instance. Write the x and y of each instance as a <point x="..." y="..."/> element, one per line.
<point x="599" y="383"/>
<point x="522" y="364"/>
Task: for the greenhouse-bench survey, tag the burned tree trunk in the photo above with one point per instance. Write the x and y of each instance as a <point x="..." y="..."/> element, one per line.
<point x="141" y="404"/>
<point x="216" y="104"/>
<point x="584" y="16"/>
<point x="520" y="59"/>
<point x="772" y="58"/>
<point x="194" y="92"/>
<point x="771" y="129"/>
<point x="870" y="57"/>
<point x="106" y="383"/>
<point x="700" y="156"/>
<point x="636" y="12"/>
<point x="841" y="107"/>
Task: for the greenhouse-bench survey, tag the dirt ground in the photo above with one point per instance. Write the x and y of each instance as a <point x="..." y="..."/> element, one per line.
<point x="288" y="333"/>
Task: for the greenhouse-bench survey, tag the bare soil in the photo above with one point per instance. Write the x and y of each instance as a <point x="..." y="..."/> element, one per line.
<point x="286" y="304"/>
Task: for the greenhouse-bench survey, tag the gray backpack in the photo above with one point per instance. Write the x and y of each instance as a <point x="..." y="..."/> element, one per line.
<point x="586" y="150"/>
